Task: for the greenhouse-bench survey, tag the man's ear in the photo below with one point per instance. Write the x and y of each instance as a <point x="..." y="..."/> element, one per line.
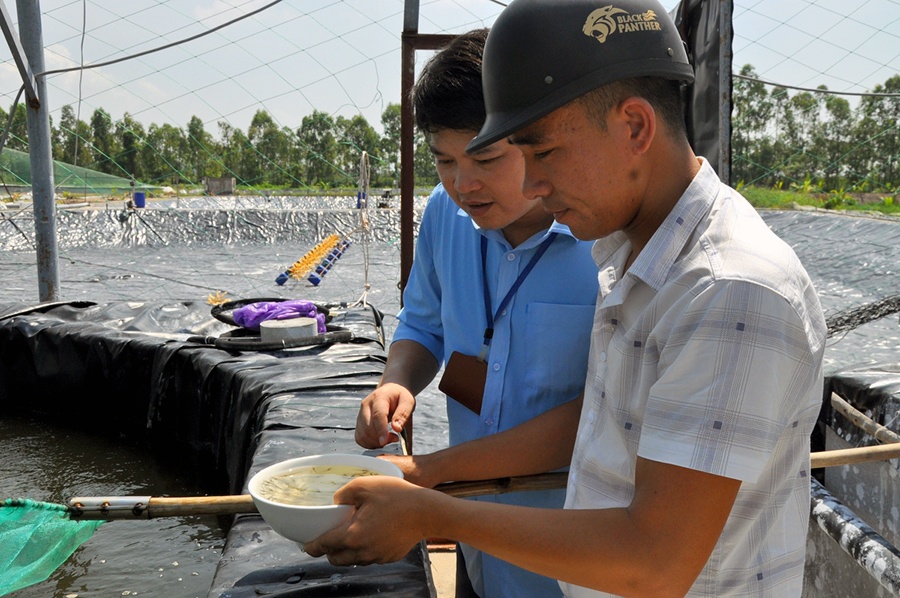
<point x="639" y="118"/>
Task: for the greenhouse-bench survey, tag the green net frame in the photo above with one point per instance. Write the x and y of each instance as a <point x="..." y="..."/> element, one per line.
<point x="15" y="169"/>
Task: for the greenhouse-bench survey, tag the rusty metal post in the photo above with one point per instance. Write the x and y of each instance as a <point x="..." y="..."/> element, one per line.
<point x="726" y="55"/>
<point x="412" y="40"/>
<point x="407" y="144"/>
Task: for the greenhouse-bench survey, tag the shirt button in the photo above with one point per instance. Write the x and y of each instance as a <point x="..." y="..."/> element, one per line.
<point x="591" y="417"/>
<point x="489" y="422"/>
<point x="510" y="257"/>
<point x="496" y="367"/>
<point x="503" y="313"/>
<point x="602" y="356"/>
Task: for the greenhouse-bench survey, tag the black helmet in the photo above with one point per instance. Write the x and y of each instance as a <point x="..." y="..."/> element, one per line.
<point x="542" y="54"/>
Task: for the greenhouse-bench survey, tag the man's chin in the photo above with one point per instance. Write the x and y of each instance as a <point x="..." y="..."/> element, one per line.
<point x="579" y="230"/>
<point x="485" y="221"/>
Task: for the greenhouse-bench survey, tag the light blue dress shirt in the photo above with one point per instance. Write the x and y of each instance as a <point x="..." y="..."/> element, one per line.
<point x="538" y="354"/>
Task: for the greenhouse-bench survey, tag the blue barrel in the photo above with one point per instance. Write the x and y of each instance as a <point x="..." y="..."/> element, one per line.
<point x="140" y="199"/>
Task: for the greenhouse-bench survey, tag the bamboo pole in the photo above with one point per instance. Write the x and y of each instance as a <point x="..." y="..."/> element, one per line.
<point x="176" y="506"/>
<point x="850" y="456"/>
<point x="149" y="507"/>
<point x="862" y="421"/>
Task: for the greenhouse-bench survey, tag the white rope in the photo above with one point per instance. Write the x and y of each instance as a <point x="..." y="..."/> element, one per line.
<point x="364" y="223"/>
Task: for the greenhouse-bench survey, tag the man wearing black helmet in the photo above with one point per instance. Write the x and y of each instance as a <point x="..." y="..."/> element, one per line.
<point x="690" y="468"/>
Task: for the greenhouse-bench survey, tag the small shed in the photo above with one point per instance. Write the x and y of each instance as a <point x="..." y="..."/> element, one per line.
<point x="220" y="185"/>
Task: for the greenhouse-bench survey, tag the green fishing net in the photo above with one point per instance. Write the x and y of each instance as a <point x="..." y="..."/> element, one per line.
<point x="35" y="539"/>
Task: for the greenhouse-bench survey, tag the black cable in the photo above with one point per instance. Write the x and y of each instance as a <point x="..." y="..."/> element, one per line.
<point x="333" y="334"/>
<point x="164" y="47"/>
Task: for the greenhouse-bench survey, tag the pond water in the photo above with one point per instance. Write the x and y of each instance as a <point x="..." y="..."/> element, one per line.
<point x="158" y="557"/>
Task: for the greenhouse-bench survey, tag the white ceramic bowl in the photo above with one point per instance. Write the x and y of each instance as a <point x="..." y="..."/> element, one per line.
<point x="304" y="523"/>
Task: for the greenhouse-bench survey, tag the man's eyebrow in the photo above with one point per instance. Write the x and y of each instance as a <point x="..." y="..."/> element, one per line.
<point x="528" y="138"/>
<point x="481" y="151"/>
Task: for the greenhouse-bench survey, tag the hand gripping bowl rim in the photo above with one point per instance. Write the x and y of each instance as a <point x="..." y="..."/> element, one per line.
<point x="265" y="505"/>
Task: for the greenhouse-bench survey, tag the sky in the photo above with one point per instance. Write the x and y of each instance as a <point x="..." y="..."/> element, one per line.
<point x="343" y="56"/>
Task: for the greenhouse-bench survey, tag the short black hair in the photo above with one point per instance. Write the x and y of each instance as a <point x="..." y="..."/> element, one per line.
<point x="449" y="93"/>
<point x="664" y="95"/>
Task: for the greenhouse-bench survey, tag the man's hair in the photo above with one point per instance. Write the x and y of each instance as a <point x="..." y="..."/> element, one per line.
<point x="663" y="94"/>
<point x="448" y="94"/>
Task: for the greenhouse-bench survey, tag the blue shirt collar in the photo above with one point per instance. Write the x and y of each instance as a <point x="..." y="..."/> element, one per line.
<point x="534" y="241"/>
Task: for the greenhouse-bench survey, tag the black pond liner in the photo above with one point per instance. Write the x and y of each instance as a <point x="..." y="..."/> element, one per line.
<point x="230" y="413"/>
<point x="855" y="537"/>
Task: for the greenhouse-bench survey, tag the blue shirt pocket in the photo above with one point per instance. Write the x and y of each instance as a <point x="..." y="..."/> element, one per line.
<point x="558" y="339"/>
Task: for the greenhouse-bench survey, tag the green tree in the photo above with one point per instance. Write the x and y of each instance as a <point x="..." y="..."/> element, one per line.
<point x="387" y="174"/>
<point x="318" y="148"/>
<point x="877" y="125"/>
<point x="201" y="151"/>
<point x="130" y="134"/>
<point x="423" y="163"/>
<point x="799" y="119"/>
<point x="270" y="150"/>
<point x="163" y="154"/>
<point x="234" y="145"/>
<point x="355" y="136"/>
<point x="18" y="130"/>
<point x="831" y="140"/>
<point x="73" y="137"/>
<point x="753" y="110"/>
<point x="104" y="143"/>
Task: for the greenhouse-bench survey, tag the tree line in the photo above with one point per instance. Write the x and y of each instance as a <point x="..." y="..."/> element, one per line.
<point x="813" y="141"/>
<point x="322" y="153"/>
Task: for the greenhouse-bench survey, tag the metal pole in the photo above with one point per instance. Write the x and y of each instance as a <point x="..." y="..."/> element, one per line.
<point x="726" y="36"/>
<point x="38" y="121"/>
<point x="12" y="40"/>
<point x="412" y="40"/>
<point x="407" y="147"/>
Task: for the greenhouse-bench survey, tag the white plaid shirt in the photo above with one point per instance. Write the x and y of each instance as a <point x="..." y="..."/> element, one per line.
<point x="707" y="354"/>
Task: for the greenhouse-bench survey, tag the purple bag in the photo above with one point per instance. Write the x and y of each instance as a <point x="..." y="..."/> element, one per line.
<point x="249" y="316"/>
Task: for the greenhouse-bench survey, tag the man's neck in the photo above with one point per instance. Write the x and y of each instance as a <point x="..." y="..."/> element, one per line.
<point x="667" y="185"/>
<point x="526" y="227"/>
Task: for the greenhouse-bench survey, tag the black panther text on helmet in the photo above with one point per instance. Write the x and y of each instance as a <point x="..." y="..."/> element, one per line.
<point x="542" y="54"/>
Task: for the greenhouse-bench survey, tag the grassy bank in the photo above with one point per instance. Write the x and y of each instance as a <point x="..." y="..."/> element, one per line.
<point x="759" y="197"/>
<point x="776" y="199"/>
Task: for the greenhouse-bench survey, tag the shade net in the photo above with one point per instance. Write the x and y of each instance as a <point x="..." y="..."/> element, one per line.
<point x="15" y="169"/>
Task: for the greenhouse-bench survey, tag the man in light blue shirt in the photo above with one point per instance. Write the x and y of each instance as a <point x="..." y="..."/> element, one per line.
<point x="499" y="292"/>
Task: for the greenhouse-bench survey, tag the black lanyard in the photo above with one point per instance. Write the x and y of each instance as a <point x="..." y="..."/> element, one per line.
<point x="489" y="331"/>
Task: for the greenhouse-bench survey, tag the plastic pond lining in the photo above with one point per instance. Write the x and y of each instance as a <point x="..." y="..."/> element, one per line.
<point x="134" y="368"/>
<point x="129" y="367"/>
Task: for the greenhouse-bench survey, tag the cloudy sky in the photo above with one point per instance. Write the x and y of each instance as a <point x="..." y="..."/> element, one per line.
<point x="343" y="56"/>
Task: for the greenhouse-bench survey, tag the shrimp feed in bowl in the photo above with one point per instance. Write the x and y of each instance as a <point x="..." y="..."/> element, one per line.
<point x="296" y="497"/>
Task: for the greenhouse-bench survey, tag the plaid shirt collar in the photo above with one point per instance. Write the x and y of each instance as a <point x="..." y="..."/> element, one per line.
<point x="655" y="261"/>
